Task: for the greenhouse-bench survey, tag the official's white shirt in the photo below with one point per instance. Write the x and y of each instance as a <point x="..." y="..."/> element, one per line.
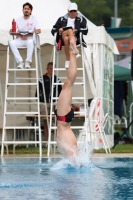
<point x="27" y="25"/>
<point x="71" y="22"/>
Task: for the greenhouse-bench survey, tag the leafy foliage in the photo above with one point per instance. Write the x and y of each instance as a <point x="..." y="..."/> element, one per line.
<point x="101" y="11"/>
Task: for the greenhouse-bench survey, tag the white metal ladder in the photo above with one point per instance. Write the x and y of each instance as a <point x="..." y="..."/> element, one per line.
<point x="79" y="81"/>
<point x="1" y="99"/>
<point x="15" y="100"/>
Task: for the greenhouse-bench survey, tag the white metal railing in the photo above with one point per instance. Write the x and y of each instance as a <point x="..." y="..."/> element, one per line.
<point x="14" y="98"/>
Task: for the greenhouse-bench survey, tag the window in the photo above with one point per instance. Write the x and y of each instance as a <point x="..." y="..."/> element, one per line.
<point x="125" y="44"/>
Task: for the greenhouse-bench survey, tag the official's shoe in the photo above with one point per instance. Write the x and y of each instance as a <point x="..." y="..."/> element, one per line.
<point x="20" y="65"/>
<point x="27" y="65"/>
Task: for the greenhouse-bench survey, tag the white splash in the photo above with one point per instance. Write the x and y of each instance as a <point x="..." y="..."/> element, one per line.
<point x="78" y="160"/>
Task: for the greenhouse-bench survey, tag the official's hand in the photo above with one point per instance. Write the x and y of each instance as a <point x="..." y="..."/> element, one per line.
<point x="61" y="30"/>
<point x="74" y="30"/>
<point x="37" y="31"/>
<point x="23" y="37"/>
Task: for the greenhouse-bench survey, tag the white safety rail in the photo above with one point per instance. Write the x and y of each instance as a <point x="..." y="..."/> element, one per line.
<point x="80" y="81"/>
<point x="15" y="99"/>
<point x="96" y="133"/>
<point x="1" y="99"/>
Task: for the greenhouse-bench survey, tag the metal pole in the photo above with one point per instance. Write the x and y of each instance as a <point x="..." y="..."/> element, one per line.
<point x="115" y="17"/>
<point x="115" y="10"/>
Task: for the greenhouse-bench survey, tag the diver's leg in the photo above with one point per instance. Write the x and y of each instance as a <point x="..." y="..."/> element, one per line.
<point x="65" y="98"/>
<point x="66" y="36"/>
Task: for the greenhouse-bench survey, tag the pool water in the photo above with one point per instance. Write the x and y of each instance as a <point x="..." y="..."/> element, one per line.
<point x="30" y="178"/>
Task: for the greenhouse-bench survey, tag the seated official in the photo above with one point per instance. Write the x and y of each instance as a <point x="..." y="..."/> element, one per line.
<point x="26" y="26"/>
<point x="47" y="80"/>
<point x="77" y="22"/>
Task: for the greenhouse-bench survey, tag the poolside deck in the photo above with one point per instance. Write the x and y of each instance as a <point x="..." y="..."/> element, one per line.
<point x="94" y="155"/>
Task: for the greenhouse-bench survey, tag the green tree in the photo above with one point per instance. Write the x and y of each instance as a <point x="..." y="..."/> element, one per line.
<point x="125" y="10"/>
<point x="131" y="16"/>
<point x="94" y="10"/>
<point x="99" y="11"/>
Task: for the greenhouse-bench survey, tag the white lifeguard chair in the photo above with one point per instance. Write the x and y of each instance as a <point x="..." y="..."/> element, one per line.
<point x="12" y="109"/>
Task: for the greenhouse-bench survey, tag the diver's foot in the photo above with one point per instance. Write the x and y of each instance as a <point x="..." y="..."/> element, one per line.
<point x="73" y="48"/>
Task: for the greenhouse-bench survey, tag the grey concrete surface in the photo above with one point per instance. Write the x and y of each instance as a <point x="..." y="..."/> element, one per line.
<point x="94" y="155"/>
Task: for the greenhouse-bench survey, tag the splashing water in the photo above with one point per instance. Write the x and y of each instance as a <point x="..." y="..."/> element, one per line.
<point x="80" y="156"/>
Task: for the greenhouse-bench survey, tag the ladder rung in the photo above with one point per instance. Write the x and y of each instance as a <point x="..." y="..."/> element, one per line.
<point x="77" y="83"/>
<point x="81" y="142"/>
<point x="77" y="78"/>
<point x="44" y="142"/>
<point x="72" y="127"/>
<point x="79" y="112"/>
<point x="78" y="127"/>
<point x="25" y="78"/>
<point x="25" y="113"/>
<point x="77" y="102"/>
<point x="63" y="69"/>
<point x="21" y="98"/>
<point x="21" y="127"/>
<point x="22" y="103"/>
<point x="15" y="69"/>
<point x="21" y="84"/>
<point x="80" y="98"/>
<point x="53" y="142"/>
<point x="21" y="142"/>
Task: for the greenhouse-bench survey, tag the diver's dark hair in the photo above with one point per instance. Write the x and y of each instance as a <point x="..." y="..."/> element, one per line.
<point x="28" y="4"/>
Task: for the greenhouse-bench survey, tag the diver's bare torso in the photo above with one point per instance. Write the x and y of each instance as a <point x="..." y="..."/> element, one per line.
<point x="65" y="138"/>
